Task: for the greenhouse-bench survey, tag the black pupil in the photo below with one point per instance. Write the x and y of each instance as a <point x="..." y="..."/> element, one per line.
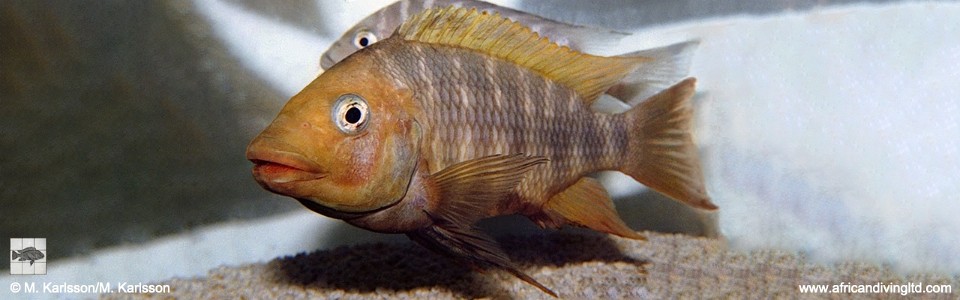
<point x="364" y="42"/>
<point x="353" y="115"/>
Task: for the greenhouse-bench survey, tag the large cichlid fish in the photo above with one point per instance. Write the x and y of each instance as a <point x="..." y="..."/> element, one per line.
<point x="670" y="64"/>
<point x="463" y="115"/>
<point x="385" y="21"/>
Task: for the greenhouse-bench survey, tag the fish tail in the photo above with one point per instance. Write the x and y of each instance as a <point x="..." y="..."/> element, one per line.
<point x="661" y="152"/>
<point x="14" y="254"/>
<point x="669" y="64"/>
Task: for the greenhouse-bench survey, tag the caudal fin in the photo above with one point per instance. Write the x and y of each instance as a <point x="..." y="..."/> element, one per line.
<point x="667" y="65"/>
<point x="14" y="254"/>
<point x="662" y="155"/>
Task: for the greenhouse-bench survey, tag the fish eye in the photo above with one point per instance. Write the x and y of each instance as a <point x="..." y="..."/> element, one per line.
<point x="351" y="113"/>
<point x="364" y="39"/>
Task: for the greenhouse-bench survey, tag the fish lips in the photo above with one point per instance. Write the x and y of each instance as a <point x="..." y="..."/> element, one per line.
<point x="280" y="171"/>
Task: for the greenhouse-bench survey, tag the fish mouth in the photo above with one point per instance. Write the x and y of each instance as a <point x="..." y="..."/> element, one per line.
<point x="279" y="173"/>
<point x="279" y="167"/>
<point x="326" y="61"/>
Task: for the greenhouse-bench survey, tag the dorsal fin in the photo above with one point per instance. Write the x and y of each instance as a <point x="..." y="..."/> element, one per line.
<point x="500" y="37"/>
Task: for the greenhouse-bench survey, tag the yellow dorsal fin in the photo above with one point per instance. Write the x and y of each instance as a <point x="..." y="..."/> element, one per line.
<point x="500" y="37"/>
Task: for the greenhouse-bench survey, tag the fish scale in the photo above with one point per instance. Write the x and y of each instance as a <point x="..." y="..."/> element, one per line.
<point x="457" y="129"/>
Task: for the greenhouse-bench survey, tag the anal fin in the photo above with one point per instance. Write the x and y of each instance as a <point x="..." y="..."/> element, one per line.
<point x="587" y="204"/>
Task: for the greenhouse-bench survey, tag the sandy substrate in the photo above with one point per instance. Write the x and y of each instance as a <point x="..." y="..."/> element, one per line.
<point x="575" y="265"/>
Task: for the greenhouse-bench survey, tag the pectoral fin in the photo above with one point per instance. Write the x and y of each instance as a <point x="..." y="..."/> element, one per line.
<point x="470" y="190"/>
<point x="587" y="204"/>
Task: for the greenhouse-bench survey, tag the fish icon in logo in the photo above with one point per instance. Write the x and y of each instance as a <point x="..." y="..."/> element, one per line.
<point x="28" y="253"/>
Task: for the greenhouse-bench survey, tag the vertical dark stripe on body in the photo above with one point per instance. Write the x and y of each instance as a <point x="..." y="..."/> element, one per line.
<point x="523" y="107"/>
